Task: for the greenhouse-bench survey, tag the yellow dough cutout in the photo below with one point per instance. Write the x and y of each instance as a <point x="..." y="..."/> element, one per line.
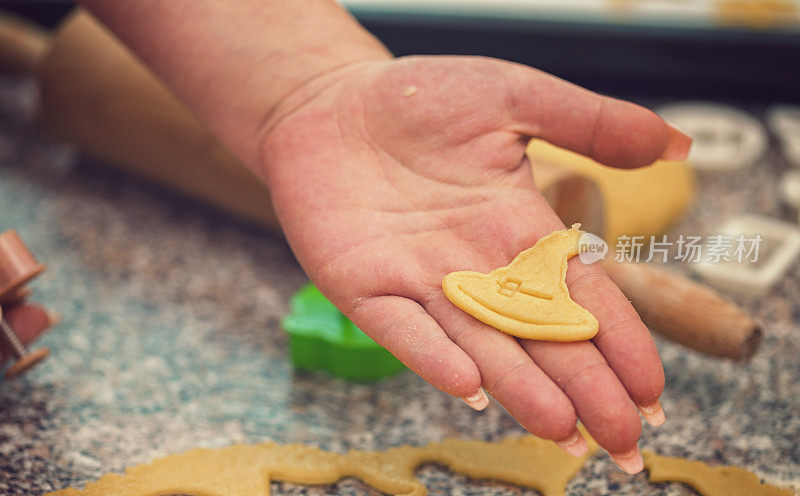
<point x="528" y="298"/>
<point x="247" y="470"/>
<point x="708" y="480"/>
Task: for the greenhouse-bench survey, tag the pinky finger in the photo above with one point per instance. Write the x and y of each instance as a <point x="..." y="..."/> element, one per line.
<point x="404" y="328"/>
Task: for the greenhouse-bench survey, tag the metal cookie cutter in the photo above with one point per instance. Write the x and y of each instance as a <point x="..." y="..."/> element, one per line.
<point x="784" y="121"/>
<point x="778" y="251"/>
<point x="724" y="137"/>
<point x="17" y="268"/>
<point x="322" y="338"/>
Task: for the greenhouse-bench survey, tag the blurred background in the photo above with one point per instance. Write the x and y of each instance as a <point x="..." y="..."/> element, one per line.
<point x="743" y="50"/>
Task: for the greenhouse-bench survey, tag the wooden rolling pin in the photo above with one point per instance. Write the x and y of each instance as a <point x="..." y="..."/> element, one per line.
<point x="686" y="312"/>
<point x="94" y="93"/>
<point x="98" y="96"/>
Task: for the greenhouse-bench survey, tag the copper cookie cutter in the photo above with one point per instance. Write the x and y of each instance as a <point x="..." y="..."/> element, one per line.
<point x="17" y="267"/>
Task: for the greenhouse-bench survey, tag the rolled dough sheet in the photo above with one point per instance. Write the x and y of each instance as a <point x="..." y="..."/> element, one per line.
<point x="247" y="470"/>
<point x="527" y="461"/>
<point x="708" y="480"/>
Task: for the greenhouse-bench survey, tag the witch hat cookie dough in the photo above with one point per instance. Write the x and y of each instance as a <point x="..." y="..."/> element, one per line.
<point x="529" y="297"/>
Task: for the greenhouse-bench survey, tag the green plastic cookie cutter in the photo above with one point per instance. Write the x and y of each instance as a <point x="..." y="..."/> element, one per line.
<point x="322" y="338"/>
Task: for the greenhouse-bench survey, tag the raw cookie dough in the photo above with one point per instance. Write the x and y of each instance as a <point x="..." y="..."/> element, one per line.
<point x="759" y="14"/>
<point x="247" y="470"/>
<point x="708" y="480"/>
<point x="527" y="461"/>
<point x="639" y="202"/>
<point x="529" y="297"/>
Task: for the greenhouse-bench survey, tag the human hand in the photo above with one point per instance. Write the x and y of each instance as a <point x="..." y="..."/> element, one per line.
<point x="388" y="175"/>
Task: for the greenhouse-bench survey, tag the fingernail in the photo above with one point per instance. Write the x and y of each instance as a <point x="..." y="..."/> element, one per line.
<point x="678" y="145"/>
<point x="478" y="401"/>
<point x="630" y="462"/>
<point x="53" y="318"/>
<point x="574" y="445"/>
<point x="653" y="414"/>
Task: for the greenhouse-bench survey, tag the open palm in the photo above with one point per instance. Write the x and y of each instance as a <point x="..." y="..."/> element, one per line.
<point x="399" y="172"/>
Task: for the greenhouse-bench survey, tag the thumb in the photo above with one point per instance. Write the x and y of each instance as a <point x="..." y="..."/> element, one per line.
<point x="611" y="131"/>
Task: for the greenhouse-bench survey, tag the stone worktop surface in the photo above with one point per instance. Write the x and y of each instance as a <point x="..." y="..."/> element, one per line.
<point x="170" y="340"/>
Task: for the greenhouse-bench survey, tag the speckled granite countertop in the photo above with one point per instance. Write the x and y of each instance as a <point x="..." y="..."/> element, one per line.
<point x="170" y="340"/>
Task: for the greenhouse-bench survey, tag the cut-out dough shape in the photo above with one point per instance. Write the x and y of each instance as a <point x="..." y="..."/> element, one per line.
<point x="708" y="480"/>
<point x="529" y="297"/>
<point x="247" y="470"/>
